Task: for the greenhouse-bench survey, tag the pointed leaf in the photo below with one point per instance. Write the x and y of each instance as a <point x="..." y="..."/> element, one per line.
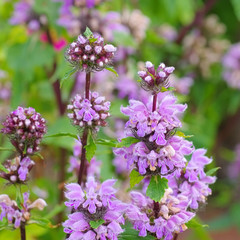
<point x="111" y="69"/>
<point x="88" y="33"/>
<point x="135" y="178"/>
<point x="96" y="224"/>
<point x="107" y="142"/>
<point x="2" y="168"/>
<point x="42" y="222"/>
<point x="67" y="75"/>
<point x="156" y="188"/>
<point x="6" y="149"/>
<point x="62" y="135"/>
<point x="127" y="142"/>
<point x="91" y="147"/>
<point x="212" y="171"/>
<point x="195" y="223"/>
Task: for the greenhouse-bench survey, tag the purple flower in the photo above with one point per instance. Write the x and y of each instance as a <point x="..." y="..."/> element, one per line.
<point x="192" y="185"/>
<point x="158" y="150"/>
<point x="13" y="214"/>
<point x="163" y="222"/>
<point x="182" y="85"/>
<point x="25" y="128"/>
<point x="153" y="80"/>
<point x="231" y="63"/>
<point x="95" y="203"/>
<point x="18" y="169"/>
<point x="91" y="113"/>
<point x="90" y="54"/>
<point x="234" y="168"/>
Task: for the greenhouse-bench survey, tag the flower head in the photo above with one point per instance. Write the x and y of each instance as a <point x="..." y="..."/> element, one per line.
<point x="165" y="220"/>
<point x="90" y="112"/>
<point x="16" y="215"/>
<point x="90" y="53"/>
<point x="25" y="127"/>
<point x="154" y="80"/>
<point x="97" y="203"/>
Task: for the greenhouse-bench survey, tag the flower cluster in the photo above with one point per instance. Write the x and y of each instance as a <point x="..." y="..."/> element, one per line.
<point x="96" y="203"/>
<point x="25" y="127"/>
<point x="192" y="183"/>
<point x="17" y="169"/>
<point x="153" y="80"/>
<point x="182" y="85"/>
<point x="159" y="151"/>
<point x="90" y="54"/>
<point x="231" y="63"/>
<point x="90" y="112"/>
<point x="163" y="221"/>
<point x="15" y="215"/>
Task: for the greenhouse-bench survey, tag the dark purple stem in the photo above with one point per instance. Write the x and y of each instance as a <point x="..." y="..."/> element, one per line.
<point x="85" y="134"/>
<point x="154" y="106"/>
<point x="199" y="16"/>
<point x="23" y="231"/>
<point x="175" y="236"/>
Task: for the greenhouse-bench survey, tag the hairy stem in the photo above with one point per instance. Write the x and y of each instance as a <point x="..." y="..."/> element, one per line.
<point x="199" y="16"/>
<point x="154" y="106"/>
<point x="23" y="231"/>
<point x="85" y="134"/>
<point x="175" y="237"/>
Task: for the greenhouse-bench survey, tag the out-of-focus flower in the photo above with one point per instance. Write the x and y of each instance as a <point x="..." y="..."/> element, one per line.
<point x="25" y="128"/>
<point x="204" y="47"/>
<point x="58" y="44"/>
<point x="90" y="112"/>
<point x="182" y="85"/>
<point x="167" y="32"/>
<point x="96" y="203"/>
<point x="15" y="215"/>
<point x="234" y="168"/>
<point x="231" y="63"/>
<point x="18" y="169"/>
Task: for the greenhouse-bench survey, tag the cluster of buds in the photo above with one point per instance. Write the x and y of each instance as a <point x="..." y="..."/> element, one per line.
<point x="154" y="80"/>
<point x="17" y="169"/>
<point x="90" y="53"/>
<point x="164" y="221"/>
<point x="96" y="203"/>
<point x="16" y="214"/>
<point x="25" y="128"/>
<point x="90" y="112"/>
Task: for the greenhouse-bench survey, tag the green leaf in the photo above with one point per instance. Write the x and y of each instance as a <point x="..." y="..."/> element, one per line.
<point x="88" y="33"/>
<point x="181" y="134"/>
<point x="111" y="69"/>
<point x="6" y="149"/>
<point x="107" y="142"/>
<point x="92" y="40"/>
<point x="19" y="197"/>
<point x="62" y="135"/>
<point x="236" y="7"/>
<point x="39" y="155"/>
<point x="42" y="222"/>
<point x="156" y="188"/>
<point x="57" y="209"/>
<point x="212" y="171"/>
<point x="90" y="147"/>
<point x="96" y="224"/>
<point x="2" y="168"/>
<point x="67" y="75"/>
<point x="135" y="178"/>
<point x="130" y="234"/>
<point x="127" y="142"/>
<point x="195" y="223"/>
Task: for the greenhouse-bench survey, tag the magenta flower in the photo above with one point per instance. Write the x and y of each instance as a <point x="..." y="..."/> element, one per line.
<point x="25" y="128"/>
<point x="91" y="113"/>
<point x="96" y="203"/>
<point x="163" y="222"/>
<point x="90" y="54"/>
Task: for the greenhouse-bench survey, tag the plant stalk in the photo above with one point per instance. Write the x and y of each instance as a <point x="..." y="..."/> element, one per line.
<point x="85" y="134"/>
<point x="154" y="106"/>
<point x="23" y="231"/>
